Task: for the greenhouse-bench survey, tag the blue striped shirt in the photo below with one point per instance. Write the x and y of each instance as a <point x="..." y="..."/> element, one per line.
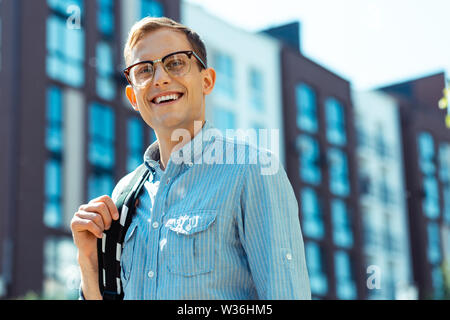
<point x="217" y="230"/>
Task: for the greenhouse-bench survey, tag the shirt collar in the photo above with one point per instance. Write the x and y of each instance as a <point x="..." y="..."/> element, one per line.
<point x="195" y="146"/>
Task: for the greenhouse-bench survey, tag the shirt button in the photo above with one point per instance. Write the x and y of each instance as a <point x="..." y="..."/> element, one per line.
<point x="150" y="274"/>
<point x="289" y="256"/>
<point x="155" y="225"/>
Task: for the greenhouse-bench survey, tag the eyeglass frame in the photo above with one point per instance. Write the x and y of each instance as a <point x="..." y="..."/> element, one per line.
<point x="189" y="53"/>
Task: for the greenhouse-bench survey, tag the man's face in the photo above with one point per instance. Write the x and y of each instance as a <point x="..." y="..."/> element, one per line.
<point x="189" y="89"/>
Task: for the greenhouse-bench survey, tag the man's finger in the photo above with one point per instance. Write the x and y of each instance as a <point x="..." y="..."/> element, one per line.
<point x="82" y="222"/>
<point x="110" y="203"/>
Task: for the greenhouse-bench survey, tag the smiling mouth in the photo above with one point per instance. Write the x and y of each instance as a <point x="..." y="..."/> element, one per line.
<point x="167" y="99"/>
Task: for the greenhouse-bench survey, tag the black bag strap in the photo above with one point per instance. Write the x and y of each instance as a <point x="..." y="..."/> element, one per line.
<point x="109" y="248"/>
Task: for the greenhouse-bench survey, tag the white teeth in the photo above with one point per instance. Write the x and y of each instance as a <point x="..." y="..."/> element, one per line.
<point x="166" y="98"/>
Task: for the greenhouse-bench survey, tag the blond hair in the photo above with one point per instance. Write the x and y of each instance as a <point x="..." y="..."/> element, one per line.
<point x="149" y="24"/>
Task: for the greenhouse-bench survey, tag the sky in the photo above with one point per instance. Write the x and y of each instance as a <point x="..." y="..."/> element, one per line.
<point x="370" y="43"/>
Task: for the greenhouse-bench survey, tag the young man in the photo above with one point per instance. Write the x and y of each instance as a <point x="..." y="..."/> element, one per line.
<point x="202" y="229"/>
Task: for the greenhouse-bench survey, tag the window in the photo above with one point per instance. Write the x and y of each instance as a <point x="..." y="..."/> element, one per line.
<point x="312" y="223"/>
<point x="308" y="149"/>
<point x="105" y="82"/>
<point x="101" y="129"/>
<point x="446" y="211"/>
<point x="430" y="203"/>
<point x="61" y="271"/>
<point x="53" y="213"/>
<point x="306" y="108"/>
<point x="54" y="133"/>
<point x="135" y="143"/>
<point x="316" y="268"/>
<point x="65" y="46"/>
<point x="444" y="163"/>
<point x="339" y="182"/>
<point x="53" y="194"/>
<point x="105" y="17"/>
<point x="335" y="119"/>
<point x="342" y="232"/>
<point x="256" y="89"/>
<point x="151" y="8"/>
<point x="345" y="286"/>
<point x="437" y="279"/>
<point x="225" y="74"/>
<point x="101" y="150"/>
<point x="434" y="243"/>
<point x="426" y="153"/>
<point x="106" y="87"/>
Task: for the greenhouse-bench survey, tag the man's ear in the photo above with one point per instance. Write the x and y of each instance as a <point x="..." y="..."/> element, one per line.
<point x="209" y="80"/>
<point x="131" y="96"/>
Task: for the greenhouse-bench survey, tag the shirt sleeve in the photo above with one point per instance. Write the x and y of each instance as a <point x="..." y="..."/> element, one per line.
<point x="270" y="233"/>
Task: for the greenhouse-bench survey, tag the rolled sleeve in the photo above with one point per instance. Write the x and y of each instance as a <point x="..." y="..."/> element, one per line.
<point x="269" y="229"/>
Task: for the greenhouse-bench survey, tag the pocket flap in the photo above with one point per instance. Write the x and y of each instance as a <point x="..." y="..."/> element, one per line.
<point x="190" y="222"/>
<point x="130" y="232"/>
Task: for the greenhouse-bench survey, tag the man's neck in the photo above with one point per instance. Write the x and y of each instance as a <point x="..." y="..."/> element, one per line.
<point x="168" y="145"/>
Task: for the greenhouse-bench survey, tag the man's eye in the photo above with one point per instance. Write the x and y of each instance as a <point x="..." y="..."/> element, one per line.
<point x="144" y="70"/>
<point x="175" y="64"/>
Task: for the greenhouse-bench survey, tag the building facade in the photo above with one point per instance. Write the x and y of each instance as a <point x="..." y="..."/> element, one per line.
<point x="321" y="165"/>
<point x="67" y="131"/>
<point x="383" y="206"/>
<point x="426" y="145"/>
<point x="247" y="94"/>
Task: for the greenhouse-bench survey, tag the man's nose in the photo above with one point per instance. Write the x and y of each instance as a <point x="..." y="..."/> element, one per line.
<point x="161" y="77"/>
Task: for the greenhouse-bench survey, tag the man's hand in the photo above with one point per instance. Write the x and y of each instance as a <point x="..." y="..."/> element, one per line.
<point x="87" y="225"/>
<point x="89" y="222"/>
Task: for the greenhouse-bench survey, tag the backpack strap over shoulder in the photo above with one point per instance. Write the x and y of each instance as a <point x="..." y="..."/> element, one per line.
<point x="109" y="248"/>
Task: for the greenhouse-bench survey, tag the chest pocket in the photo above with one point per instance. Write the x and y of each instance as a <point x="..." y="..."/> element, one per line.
<point x="191" y="242"/>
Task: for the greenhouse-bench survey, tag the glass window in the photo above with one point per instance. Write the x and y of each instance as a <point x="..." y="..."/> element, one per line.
<point x="61" y="271"/>
<point x="430" y="202"/>
<point x="306" y="108"/>
<point x="345" y="286"/>
<point x="335" y="118"/>
<point x="339" y="182"/>
<point x="53" y="214"/>
<point x="135" y="143"/>
<point x="105" y="17"/>
<point x="62" y="6"/>
<point x="426" y="153"/>
<point x="102" y="136"/>
<point x="446" y="211"/>
<point x="316" y="268"/>
<point x="434" y="243"/>
<point x="342" y="231"/>
<point x="444" y="163"/>
<point x="256" y="89"/>
<point x="437" y="279"/>
<point x="65" y="50"/>
<point x="151" y="8"/>
<point x="225" y="74"/>
<point x="54" y="133"/>
<point x="309" y="158"/>
<point x="312" y="223"/>
<point x="106" y="87"/>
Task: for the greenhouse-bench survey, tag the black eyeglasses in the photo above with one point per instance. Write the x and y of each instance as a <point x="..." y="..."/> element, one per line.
<point x="176" y="64"/>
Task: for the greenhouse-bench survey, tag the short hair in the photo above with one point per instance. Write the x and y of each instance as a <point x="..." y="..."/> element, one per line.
<point x="149" y="24"/>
